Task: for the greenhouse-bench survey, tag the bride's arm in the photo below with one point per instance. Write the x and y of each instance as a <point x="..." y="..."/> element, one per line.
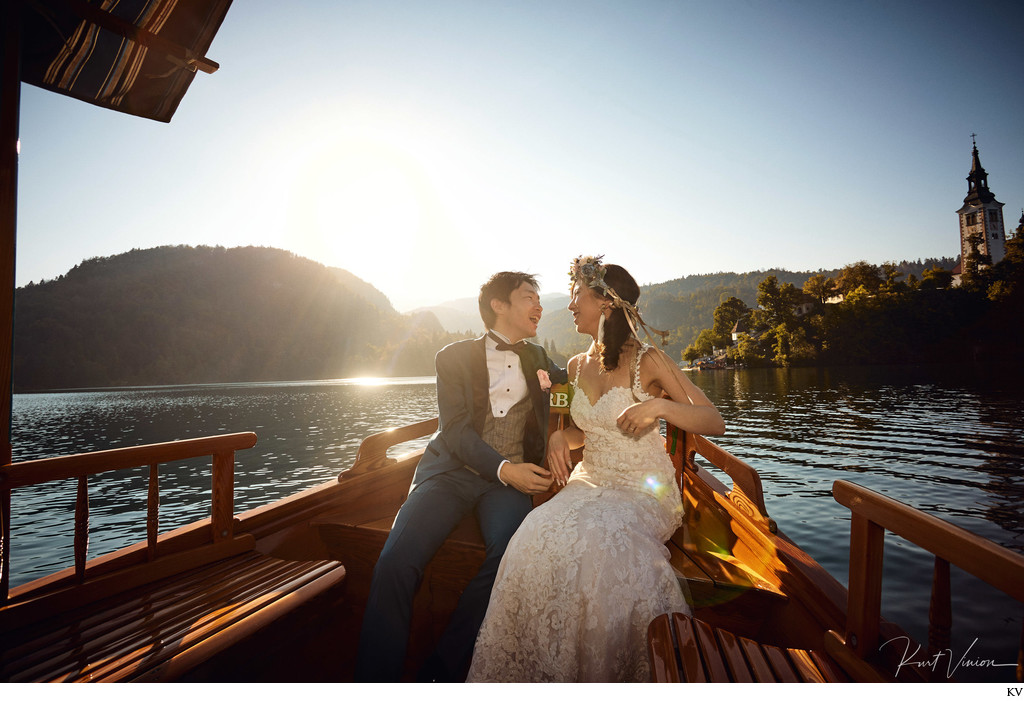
<point x="683" y="404"/>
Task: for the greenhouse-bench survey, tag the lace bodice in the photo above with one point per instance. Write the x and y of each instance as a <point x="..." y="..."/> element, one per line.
<point x="618" y="460"/>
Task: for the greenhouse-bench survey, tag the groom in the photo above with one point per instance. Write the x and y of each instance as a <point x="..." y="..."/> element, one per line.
<point x="486" y="455"/>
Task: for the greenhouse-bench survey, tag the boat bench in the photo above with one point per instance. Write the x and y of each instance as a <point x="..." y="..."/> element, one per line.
<point x="685" y="649"/>
<point x="356" y="537"/>
<point x="163" y="629"/>
<point x="357" y="542"/>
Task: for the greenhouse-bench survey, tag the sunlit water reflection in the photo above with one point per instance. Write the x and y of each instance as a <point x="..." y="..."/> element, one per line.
<point x="948" y="440"/>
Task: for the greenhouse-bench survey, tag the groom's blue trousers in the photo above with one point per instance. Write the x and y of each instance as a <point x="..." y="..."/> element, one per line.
<point x="427" y="517"/>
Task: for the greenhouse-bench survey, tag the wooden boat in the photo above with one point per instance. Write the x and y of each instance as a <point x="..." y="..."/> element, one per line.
<point x="276" y="593"/>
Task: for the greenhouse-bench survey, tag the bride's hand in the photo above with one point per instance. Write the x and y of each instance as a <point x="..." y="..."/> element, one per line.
<point x="637" y="418"/>
<point x="559" y="457"/>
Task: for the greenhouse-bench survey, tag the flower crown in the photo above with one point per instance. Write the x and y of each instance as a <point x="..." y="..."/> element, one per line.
<point x="589" y="271"/>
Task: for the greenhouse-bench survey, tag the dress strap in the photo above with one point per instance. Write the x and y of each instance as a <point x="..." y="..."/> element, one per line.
<point x="579" y="364"/>
<point x="638" y="391"/>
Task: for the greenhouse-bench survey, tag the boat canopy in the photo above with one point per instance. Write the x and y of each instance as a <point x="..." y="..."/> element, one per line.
<point x="133" y="56"/>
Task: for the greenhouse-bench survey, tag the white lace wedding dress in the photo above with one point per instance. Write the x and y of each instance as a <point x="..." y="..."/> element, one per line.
<point x="588" y="570"/>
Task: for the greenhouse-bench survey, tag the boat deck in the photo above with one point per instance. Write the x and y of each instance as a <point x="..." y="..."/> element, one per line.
<point x="161" y="630"/>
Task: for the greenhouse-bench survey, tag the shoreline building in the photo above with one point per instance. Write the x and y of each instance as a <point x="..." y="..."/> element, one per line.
<point x="981" y="217"/>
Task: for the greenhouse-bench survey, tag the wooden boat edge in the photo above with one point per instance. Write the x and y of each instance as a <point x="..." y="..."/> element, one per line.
<point x="288" y="528"/>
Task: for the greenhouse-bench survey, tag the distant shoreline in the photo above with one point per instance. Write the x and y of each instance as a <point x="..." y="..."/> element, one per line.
<point x="360" y="381"/>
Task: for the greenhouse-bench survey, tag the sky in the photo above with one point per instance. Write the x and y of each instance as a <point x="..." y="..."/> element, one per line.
<point x="425" y="145"/>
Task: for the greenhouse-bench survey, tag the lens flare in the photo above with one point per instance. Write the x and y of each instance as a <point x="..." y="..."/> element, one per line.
<point x="655" y="485"/>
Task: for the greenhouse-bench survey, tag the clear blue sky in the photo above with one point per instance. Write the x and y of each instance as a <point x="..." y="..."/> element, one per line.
<point x="424" y="145"/>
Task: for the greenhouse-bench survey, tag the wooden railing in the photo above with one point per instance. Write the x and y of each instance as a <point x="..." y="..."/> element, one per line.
<point x="746" y="494"/>
<point x="373" y="451"/>
<point x="220" y="448"/>
<point x="872" y="515"/>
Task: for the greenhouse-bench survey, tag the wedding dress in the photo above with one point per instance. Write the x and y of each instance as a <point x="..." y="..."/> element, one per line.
<point x="588" y="570"/>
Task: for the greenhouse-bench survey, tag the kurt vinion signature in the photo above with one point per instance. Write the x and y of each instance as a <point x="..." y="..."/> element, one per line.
<point x="908" y="659"/>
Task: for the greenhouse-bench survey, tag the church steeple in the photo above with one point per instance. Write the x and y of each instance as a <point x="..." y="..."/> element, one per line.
<point x="977" y="180"/>
<point x="981" y="218"/>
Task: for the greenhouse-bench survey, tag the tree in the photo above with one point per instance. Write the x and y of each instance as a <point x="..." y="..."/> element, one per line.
<point x="821" y="287"/>
<point x="726" y="315"/>
<point x="791" y="346"/>
<point x="748" y="351"/>
<point x="775" y="304"/>
<point x="936" y="278"/>
<point x="975" y="265"/>
<point x="890" y="282"/>
<point x="1008" y="274"/>
<point x="858" y="295"/>
<point x="1000" y="291"/>
<point x="705" y="342"/>
<point x="859" y="274"/>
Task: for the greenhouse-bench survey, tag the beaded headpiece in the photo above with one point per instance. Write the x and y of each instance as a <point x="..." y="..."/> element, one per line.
<point x="589" y="271"/>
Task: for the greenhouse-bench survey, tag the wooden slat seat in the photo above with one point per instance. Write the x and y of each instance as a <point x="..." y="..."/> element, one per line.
<point x="161" y="630"/>
<point x="685" y="649"/>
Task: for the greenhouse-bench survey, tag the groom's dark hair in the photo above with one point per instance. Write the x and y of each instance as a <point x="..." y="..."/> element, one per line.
<point x="500" y="286"/>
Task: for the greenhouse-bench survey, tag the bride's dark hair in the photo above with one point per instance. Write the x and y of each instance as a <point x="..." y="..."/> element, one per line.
<point x="616" y="327"/>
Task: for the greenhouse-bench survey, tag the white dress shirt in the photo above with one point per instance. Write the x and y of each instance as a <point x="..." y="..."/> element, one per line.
<point x="507" y="382"/>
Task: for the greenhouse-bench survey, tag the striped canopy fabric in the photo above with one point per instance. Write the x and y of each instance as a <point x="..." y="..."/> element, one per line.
<point x="132" y="56"/>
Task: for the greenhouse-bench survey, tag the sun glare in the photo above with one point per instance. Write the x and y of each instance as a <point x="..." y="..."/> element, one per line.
<point x="356" y="198"/>
<point x="388" y="197"/>
<point x="370" y="381"/>
<point x="369" y="192"/>
<point x="342" y="182"/>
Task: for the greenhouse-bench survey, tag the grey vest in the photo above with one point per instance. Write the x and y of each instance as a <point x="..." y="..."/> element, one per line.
<point x="505" y="433"/>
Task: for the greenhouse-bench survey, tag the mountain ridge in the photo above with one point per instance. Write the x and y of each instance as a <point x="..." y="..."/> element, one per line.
<point x="179" y="315"/>
<point x="182" y="314"/>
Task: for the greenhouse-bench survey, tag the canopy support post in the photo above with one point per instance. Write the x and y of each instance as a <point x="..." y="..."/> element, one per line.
<point x="10" y="99"/>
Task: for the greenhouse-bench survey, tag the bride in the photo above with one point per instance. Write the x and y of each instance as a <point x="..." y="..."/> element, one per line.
<point x="588" y="570"/>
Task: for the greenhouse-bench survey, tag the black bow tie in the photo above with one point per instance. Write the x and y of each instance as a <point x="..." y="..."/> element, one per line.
<point x="518" y="348"/>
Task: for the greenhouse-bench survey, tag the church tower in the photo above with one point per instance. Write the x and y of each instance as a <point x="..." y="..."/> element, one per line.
<point x="981" y="217"/>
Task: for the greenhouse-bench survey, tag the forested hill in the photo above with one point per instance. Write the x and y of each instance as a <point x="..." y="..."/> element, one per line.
<point x="686" y="305"/>
<point x="177" y="315"/>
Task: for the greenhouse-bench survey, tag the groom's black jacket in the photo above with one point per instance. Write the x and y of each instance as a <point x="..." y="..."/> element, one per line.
<point x="462" y="400"/>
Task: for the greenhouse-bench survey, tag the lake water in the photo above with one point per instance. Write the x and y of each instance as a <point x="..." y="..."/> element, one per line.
<point x="948" y="440"/>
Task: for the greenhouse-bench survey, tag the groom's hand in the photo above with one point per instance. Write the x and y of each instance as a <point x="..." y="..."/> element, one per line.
<point x="526" y="477"/>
